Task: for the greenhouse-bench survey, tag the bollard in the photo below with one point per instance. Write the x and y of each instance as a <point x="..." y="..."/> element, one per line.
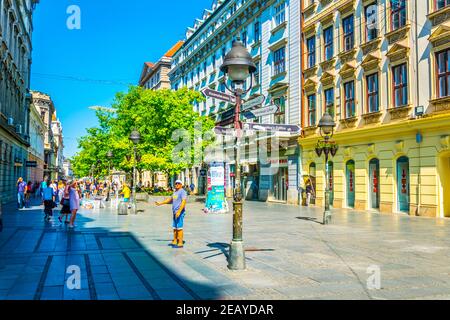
<point x="122" y="208"/>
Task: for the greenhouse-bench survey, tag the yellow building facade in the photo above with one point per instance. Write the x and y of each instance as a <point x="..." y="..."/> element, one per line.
<point x="382" y="69"/>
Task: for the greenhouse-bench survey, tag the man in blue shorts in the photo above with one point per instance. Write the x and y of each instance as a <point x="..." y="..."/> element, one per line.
<point x="178" y="201"/>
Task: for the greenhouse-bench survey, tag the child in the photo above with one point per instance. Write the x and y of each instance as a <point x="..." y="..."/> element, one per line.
<point x="126" y="194"/>
<point x="48" y="195"/>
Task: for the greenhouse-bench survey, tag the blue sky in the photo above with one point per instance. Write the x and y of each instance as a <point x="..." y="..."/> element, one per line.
<point x="115" y="39"/>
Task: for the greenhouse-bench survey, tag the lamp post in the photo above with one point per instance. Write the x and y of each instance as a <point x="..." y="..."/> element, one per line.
<point x="238" y="65"/>
<point x="135" y="137"/>
<point x="109" y="155"/>
<point x="327" y="147"/>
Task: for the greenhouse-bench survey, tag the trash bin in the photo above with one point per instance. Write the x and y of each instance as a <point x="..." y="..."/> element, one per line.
<point x="123" y="208"/>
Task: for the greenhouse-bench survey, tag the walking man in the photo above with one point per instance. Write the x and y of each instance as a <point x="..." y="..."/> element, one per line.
<point x="178" y="201"/>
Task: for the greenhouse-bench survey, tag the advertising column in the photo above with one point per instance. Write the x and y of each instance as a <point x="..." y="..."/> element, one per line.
<point x="216" y="200"/>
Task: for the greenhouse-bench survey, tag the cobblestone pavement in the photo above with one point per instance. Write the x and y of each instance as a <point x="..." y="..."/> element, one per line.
<point x="289" y="255"/>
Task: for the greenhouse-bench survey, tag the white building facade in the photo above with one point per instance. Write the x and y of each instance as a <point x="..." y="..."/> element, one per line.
<point x="270" y="29"/>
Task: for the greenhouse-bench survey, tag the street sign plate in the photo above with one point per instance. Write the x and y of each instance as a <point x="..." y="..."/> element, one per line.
<point x="254" y="102"/>
<point x="31" y="164"/>
<point x="272" y="127"/>
<point x="218" y="95"/>
<point x="260" y="112"/>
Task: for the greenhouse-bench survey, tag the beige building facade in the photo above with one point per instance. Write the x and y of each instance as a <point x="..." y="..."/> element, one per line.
<point x="382" y="69"/>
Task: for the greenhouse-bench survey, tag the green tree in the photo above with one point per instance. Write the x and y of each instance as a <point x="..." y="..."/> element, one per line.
<point x="159" y="116"/>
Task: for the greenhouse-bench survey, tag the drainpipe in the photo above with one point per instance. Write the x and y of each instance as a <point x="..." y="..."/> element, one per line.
<point x="302" y="105"/>
<point x="419" y="135"/>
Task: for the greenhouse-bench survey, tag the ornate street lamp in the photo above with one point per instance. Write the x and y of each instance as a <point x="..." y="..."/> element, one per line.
<point x="109" y="155"/>
<point x="135" y="137"/>
<point x="328" y="147"/>
<point x="238" y="65"/>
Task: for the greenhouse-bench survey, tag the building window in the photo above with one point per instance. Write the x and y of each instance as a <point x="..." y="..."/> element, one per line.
<point x="257" y="31"/>
<point x="349" y="96"/>
<point x="443" y="73"/>
<point x="329" y="101"/>
<point x="222" y="87"/>
<point x="213" y="61"/>
<point x="244" y="38"/>
<point x="280" y="115"/>
<point x="256" y="74"/>
<point x="398" y="14"/>
<point x="372" y="92"/>
<point x="280" y="16"/>
<point x="204" y="68"/>
<point x="328" y="43"/>
<point x="400" y="84"/>
<point x="279" y="61"/>
<point x="371" y="16"/>
<point x="312" y="110"/>
<point x="439" y="4"/>
<point x="311" y="47"/>
<point x="224" y="53"/>
<point x="347" y="28"/>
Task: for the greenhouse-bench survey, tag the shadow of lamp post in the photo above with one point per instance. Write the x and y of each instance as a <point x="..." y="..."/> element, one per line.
<point x="238" y="66"/>
<point x="327" y="147"/>
<point x="135" y="137"/>
<point x="109" y="155"/>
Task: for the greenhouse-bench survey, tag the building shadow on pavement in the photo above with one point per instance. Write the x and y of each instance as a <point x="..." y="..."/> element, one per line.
<point x="39" y="260"/>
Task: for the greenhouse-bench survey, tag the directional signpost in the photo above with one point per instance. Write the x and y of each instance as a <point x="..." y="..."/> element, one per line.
<point x="218" y="95"/>
<point x="260" y="112"/>
<point x="253" y="103"/>
<point x="272" y="127"/>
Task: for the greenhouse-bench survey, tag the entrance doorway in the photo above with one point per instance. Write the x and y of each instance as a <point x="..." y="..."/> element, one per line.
<point x="280" y="182"/>
<point x="330" y="181"/>
<point x="350" y="182"/>
<point x="403" y="184"/>
<point x="444" y="175"/>
<point x="374" y="183"/>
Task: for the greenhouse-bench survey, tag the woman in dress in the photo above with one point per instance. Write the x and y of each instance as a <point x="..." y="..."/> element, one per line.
<point x="74" y="197"/>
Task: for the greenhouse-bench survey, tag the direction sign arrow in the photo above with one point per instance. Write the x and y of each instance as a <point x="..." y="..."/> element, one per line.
<point x="254" y="102"/>
<point x="218" y="95"/>
<point x="260" y="112"/>
<point x="272" y="127"/>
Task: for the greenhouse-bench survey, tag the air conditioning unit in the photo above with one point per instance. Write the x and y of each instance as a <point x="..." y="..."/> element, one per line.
<point x="19" y="129"/>
<point x="10" y="121"/>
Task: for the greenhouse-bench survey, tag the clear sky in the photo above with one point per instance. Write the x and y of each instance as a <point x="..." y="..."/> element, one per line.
<point x="86" y="67"/>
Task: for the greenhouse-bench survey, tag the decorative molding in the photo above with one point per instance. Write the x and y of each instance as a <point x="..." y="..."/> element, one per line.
<point x="309" y="10"/>
<point x="371" y="62"/>
<point x="371" y="45"/>
<point x="349" y="151"/>
<point x="348" y="70"/>
<point x="399" y="112"/>
<point x="347" y="7"/>
<point x="309" y="131"/>
<point x="399" y="145"/>
<point x="308" y="73"/>
<point x="371" y="148"/>
<point x="347" y="56"/>
<point x="349" y="122"/>
<point x="311" y="85"/>
<point x="278" y="44"/>
<point x="441" y="104"/>
<point x="327" y="78"/>
<point x="439" y="16"/>
<point x="445" y="142"/>
<point x="398" y="51"/>
<point x="398" y="34"/>
<point x="440" y="36"/>
<point x="328" y="64"/>
<point x="372" y="117"/>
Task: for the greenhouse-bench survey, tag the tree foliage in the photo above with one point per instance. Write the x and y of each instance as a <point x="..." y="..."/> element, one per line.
<point x="159" y="116"/>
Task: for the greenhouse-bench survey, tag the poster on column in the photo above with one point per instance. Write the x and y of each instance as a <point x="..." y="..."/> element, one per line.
<point x="216" y="201"/>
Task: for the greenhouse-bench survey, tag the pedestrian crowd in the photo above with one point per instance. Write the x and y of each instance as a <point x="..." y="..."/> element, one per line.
<point x="69" y="194"/>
